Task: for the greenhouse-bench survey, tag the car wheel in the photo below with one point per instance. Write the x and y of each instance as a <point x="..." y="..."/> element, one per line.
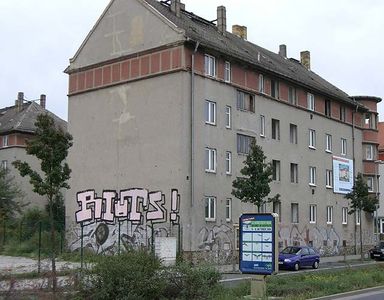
<point x="296" y="267"/>
<point x="315" y="265"/>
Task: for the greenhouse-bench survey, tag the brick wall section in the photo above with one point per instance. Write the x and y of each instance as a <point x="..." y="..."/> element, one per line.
<point x="129" y="69"/>
<point x="369" y="167"/>
<point x="370" y="136"/>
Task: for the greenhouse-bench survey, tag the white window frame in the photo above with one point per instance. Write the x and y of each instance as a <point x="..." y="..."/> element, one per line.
<point x="310" y="101"/>
<point x="329" y="213"/>
<point x="261" y="83"/>
<point x="210" y="112"/>
<point x="227" y="71"/>
<point x="228" y="209"/>
<point x="358" y="216"/>
<point x="210" y="208"/>
<point x="262" y="125"/>
<point x="276" y="170"/>
<point x="370" y="181"/>
<point x="210" y="157"/>
<point x="295" y="210"/>
<point x="312" y="139"/>
<point x="344" y="215"/>
<point x="228" y="117"/>
<point x="343" y="142"/>
<point x="228" y="162"/>
<point x="5" y="141"/>
<point x="312" y="176"/>
<point x="328" y="178"/>
<point x="369" y="152"/>
<point x="312" y="213"/>
<point x="328" y="143"/>
<point x="210" y="65"/>
<point x="293" y="133"/>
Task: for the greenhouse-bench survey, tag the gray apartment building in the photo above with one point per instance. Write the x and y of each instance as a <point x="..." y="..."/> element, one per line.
<point x="163" y="105"/>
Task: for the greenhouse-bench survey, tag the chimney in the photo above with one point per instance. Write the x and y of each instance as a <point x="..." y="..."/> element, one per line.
<point x="305" y="59"/>
<point x="19" y="101"/>
<point x="176" y="7"/>
<point x="240" y="31"/>
<point x="43" y="100"/>
<point x="283" y="50"/>
<point x="222" y="19"/>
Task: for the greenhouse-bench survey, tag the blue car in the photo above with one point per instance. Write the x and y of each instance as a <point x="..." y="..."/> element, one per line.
<point x="295" y="257"/>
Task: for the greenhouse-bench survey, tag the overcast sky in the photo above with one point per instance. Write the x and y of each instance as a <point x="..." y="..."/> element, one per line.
<point x="345" y="38"/>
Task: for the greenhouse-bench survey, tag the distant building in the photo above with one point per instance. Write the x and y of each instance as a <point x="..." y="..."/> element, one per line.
<point x="163" y="105"/>
<point x="17" y="125"/>
<point x="380" y="211"/>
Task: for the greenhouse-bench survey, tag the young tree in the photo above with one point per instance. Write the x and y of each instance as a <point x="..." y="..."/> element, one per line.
<point x="50" y="145"/>
<point x="253" y="186"/>
<point x="9" y="192"/>
<point x="361" y="201"/>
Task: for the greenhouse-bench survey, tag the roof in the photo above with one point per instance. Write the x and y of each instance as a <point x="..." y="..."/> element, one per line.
<point x="23" y="119"/>
<point x="208" y="36"/>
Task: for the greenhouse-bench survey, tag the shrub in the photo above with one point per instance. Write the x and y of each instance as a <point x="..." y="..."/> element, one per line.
<point x="131" y="275"/>
<point x="187" y="282"/>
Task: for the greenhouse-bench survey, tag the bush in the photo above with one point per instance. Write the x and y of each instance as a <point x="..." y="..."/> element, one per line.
<point x="132" y="275"/>
<point x="187" y="282"/>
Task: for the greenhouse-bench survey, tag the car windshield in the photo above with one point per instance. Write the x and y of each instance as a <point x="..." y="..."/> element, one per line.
<point x="291" y="250"/>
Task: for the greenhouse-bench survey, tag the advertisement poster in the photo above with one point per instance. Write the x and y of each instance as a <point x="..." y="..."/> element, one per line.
<point x="342" y="175"/>
<point x="258" y="244"/>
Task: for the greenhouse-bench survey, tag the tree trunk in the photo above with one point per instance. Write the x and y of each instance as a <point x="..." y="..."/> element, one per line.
<point x="53" y="255"/>
<point x="361" y="236"/>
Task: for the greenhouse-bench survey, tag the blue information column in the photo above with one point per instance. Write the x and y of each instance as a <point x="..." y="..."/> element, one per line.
<point x="258" y="244"/>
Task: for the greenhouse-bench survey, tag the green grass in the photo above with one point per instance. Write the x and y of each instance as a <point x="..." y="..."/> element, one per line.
<point x="314" y="284"/>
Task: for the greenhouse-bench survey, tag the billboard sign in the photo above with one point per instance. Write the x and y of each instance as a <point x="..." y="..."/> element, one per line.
<point x="342" y="175"/>
<point x="258" y="244"/>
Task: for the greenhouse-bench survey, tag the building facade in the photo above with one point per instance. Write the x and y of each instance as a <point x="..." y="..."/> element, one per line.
<point x="163" y="105"/>
<point x="17" y="125"/>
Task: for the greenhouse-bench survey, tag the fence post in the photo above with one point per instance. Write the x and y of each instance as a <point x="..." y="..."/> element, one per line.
<point x="39" y="251"/>
<point x="118" y="241"/>
<point x="81" y="247"/>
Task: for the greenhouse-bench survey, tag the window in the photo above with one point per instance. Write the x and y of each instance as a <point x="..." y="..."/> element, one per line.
<point x="4" y="165"/>
<point x="328" y="143"/>
<point x="276" y="208"/>
<point x="210" y="160"/>
<point x="244" y="143"/>
<point x="312" y="175"/>
<point x="5" y="140"/>
<point x="275" y="129"/>
<point x="329" y="214"/>
<point x="294" y="173"/>
<point x="370" y="121"/>
<point x="227" y="71"/>
<point x="310" y="101"/>
<point x="294" y="212"/>
<point x="228" y="162"/>
<point x="312" y="213"/>
<point x="276" y="170"/>
<point x="210" y="208"/>
<point x="328" y="178"/>
<point x="369" y="152"/>
<point x="343" y="146"/>
<point x="261" y="83"/>
<point x="312" y="138"/>
<point x="228" y="117"/>
<point x="344" y="215"/>
<point x="358" y="216"/>
<point x="210" y="65"/>
<point x="210" y="112"/>
<point x="293" y="133"/>
<point x="342" y="113"/>
<point x="327" y="111"/>
<point x="228" y="209"/>
<point x="262" y="125"/>
<point x="370" y="183"/>
<point x="245" y="101"/>
<point x="275" y="89"/>
<point x="292" y="96"/>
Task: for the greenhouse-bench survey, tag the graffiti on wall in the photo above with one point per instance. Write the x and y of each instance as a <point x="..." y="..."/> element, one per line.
<point x="122" y="220"/>
<point x="135" y="205"/>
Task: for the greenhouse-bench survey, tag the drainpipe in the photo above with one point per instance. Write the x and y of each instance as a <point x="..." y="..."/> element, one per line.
<point x="193" y="123"/>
